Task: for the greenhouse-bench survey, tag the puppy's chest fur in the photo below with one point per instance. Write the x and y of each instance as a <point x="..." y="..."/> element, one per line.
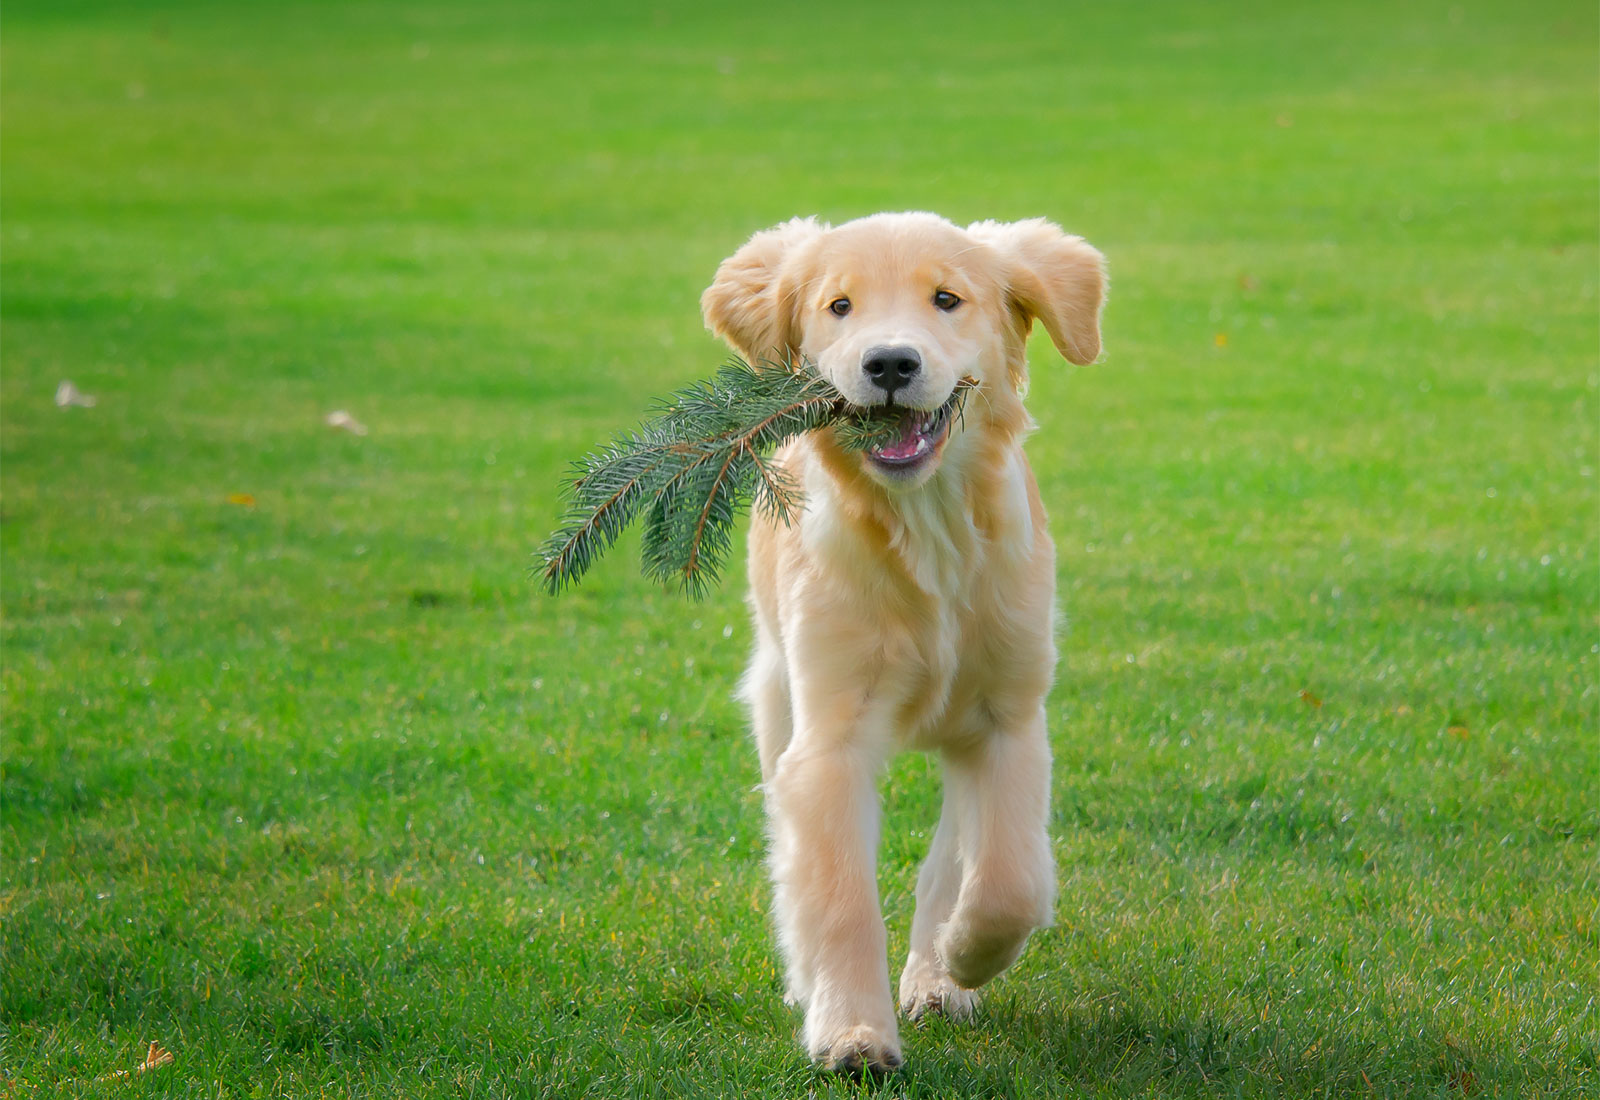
<point x="941" y="573"/>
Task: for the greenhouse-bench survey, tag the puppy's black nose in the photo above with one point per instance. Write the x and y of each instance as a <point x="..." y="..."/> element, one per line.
<point x="891" y="367"/>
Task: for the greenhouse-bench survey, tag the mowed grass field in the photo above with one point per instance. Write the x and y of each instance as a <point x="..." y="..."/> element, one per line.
<point x="306" y="781"/>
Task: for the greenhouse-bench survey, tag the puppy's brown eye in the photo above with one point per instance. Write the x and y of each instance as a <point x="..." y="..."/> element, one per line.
<point x="945" y="300"/>
<point x="839" y="306"/>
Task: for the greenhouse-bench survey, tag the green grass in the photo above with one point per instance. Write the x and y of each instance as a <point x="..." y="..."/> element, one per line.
<point x="322" y="795"/>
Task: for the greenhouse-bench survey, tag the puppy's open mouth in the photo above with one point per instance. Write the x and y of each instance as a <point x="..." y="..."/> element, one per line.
<point x="921" y="431"/>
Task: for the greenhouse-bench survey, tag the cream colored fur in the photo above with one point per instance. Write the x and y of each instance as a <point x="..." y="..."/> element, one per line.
<point x="906" y="611"/>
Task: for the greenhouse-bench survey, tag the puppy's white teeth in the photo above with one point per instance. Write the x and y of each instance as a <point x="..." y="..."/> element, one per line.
<point x="922" y="446"/>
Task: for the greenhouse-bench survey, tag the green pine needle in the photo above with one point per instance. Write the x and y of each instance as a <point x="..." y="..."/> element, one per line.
<point x="694" y="469"/>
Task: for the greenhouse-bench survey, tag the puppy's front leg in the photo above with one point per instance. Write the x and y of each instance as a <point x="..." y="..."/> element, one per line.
<point x="823" y="808"/>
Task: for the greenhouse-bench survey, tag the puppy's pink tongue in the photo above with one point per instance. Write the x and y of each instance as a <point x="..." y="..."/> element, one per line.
<point x="906" y="446"/>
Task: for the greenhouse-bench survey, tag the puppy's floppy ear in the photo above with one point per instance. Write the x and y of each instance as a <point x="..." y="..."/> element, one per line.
<point x="1058" y="278"/>
<point x="745" y="302"/>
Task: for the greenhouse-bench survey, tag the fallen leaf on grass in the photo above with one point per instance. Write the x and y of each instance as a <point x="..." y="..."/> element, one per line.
<point x="344" y="422"/>
<point x="1460" y="733"/>
<point x="243" y="500"/>
<point x="155" y="1059"/>
<point x="68" y="395"/>
<point x="1309" y="699"/>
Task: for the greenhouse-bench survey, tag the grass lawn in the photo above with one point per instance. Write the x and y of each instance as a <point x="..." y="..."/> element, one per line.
<point x="306" y="781"/>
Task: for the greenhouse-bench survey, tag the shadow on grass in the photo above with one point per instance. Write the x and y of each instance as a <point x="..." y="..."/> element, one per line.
<point x="1118" y="1050"/>
<point x="1018" y="1051"/>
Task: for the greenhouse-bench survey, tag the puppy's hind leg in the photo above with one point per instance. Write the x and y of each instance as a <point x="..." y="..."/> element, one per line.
<point x="925" y="984"/>
<point x="1001" y="798"/>
<point x="765" y="690"/>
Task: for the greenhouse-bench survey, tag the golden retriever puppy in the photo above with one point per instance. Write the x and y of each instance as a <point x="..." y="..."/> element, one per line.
<point x="911" y="605"/>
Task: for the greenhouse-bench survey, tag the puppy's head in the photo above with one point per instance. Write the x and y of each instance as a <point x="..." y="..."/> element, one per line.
<point x="896" y="309"/>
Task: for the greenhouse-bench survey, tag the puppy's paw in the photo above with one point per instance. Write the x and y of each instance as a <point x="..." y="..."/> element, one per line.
<point x="926" y="989"/>
<point x="860" y="1050"/>
<point x="945" y="998"/>
<point x="972" y="952"/>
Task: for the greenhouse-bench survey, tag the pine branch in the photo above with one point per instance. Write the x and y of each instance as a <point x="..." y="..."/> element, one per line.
<point x="695" y="468"/>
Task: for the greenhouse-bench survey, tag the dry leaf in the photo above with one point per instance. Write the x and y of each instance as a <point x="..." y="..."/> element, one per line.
<point x="1309" y="699"/>
<point x="243" y="500"/>
<point x="1460" y="733"/>
<point x="155" y="1059"/>
<point x="68" y="395"/>
<point x="344" y="422"/>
